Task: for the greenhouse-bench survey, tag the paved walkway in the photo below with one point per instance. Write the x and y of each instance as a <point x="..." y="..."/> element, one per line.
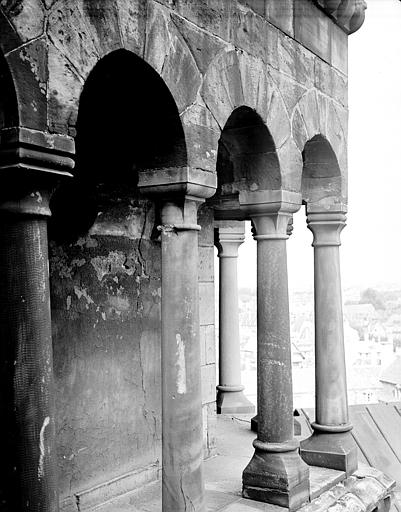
<point x="223" y="475"/>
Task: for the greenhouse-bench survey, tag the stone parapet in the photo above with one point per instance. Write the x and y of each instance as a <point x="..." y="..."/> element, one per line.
<point x="367" y="490"/>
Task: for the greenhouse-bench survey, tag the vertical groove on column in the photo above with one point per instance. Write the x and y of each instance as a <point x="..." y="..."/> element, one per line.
<point x="29" y="468"/>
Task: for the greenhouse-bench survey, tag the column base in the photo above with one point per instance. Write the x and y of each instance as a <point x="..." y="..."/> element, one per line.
<point x="333" y="450"/>
<point x="280" y="478"/>
<point x="233" y="402"/>
<point x="297" y="426"/>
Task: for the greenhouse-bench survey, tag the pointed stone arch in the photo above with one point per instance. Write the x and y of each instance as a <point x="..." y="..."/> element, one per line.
<point x="127" y="121"/>
<point x="321" y="175"/>
<point x="318" y="122"/>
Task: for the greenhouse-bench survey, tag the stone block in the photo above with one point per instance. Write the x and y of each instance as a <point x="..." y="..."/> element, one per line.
<point x="203" y="45"/>
<point x="339" y="49"/>
<point x="290" y="91"/>
<point x="211" y="429"/>
<point x="132" y="22"/>
<point x="208" y="375"/>
<point x="254" y="35"/>
<point x="206" y="303"/>
<point x="257" y="6"/>
<point x="204" y="426"/>
<point x="206" y="222"/>
<point x="202" y="135"/>
<point x="365" y="470"/>
<point x="180" y="71"/>
<point x="103" y="22"/>
<point x="210" y="344"/>
<point x="299" y="133"/>
<point x="222" y="88"/>
<point x="331" y="82"/>
<point x="233" y="402"/>
<point x="368" y="490"/>
<point x="157" y="36"/>
<point x="331" y="450"/>
<point x="206" y="264"/>
<point x="27" y="17"/>
<point x="202" y="341"/>
<point x="211" y="15"/>
<point x="281" y="14"/>
<point x="295" y="61"/>
<point x="30" y="74"/>
<point x="278" y="478"/>
<point x="65" y="87"/>
<point x="312" y="28"/>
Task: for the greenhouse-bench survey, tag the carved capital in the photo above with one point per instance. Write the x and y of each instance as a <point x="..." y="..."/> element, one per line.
<point x="290" y="226"/>
<point x="326" y="227"/>
<point x="31" y="165"/>
<point x="177" y="181"/>
<point x="228" y="237"/>
<point x="270" y="212"/>
<point x="180" y="215"/>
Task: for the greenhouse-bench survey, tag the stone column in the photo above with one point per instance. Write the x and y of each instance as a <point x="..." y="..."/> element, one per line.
<point x="182" y="486"/>
<point x="276" y="473"/>
<point x="230" y="397"/>
<point x="331" y="444"/>
<point x="27" y="404"/>
<point x="180" y="191"/>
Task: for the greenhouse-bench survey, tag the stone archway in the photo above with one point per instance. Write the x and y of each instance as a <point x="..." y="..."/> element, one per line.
<point x="105" y="262"/>
<point x="321" y="176"/>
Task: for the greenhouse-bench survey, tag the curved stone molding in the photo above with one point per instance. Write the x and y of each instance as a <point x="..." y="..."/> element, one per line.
<point x="35" y="152"/>
<point x="348" y="14"/>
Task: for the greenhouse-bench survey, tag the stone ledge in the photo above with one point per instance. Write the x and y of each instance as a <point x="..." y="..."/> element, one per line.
<point x="367" y="490"/>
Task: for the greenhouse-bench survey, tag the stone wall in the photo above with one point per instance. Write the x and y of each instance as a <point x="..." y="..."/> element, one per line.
<point x="105" y="296"/>
<point x="207" y="327"/>
<point x="287" y="63"/>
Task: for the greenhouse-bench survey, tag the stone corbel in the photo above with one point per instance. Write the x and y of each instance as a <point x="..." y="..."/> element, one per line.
<point x="271" y="211"/>
<point x="348" y="14"/>
<point x="180" y="190"/>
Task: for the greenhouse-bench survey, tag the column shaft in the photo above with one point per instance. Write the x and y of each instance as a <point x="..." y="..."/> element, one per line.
<point x="275" y="412"/>
<point x="276" y="473"/>
<point x="181" y="382"/>
<point x="230" y="396"/>
<point x="331" y="444"/>
<point x="331" y="386"/>
<point x="229" y="360"/>
<point x="27" y="390"/>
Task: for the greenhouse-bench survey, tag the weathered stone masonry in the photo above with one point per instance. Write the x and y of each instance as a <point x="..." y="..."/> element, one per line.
<point x="160" y="103"/>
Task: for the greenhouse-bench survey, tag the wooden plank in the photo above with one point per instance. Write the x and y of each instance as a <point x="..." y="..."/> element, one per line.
<point x="361" y="457"/>
<point x="396" y="502"/>
<point x="306" y="429"/>
<point x="388" y="421"/>
<point x="373" y="445"/>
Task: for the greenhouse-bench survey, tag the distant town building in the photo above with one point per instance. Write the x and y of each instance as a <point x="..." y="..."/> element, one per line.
<point x="390" y="380"/>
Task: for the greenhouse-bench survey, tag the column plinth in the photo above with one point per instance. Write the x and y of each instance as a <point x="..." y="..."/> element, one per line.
<point x="331" y="444"/>
<point x="230" y="396"/>
<point x="276" y="473"/>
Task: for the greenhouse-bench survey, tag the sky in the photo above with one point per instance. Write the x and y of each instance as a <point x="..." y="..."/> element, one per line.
<point x="371" y="241"/>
